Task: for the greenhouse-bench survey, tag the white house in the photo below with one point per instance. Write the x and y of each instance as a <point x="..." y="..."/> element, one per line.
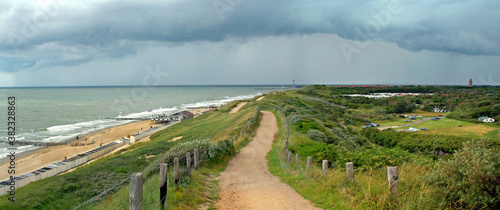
<point x="486" y="119"/>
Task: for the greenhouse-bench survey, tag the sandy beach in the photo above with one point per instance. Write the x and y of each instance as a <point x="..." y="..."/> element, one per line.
<point x="46" y="156"/>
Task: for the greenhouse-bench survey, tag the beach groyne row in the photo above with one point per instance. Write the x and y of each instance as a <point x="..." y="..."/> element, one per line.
<point x="73" y="162"/>
<point x="53" y="169"/>
<point x="45" y="144"/>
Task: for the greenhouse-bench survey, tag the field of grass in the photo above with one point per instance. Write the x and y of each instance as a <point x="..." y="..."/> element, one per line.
<point x="471" y="131"/>
<point x="440" y="124"/>
<point x="368" y="191"/>
<point x="68" y="190"/>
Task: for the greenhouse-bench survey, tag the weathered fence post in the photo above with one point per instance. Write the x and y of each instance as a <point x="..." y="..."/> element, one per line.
<point x="392" y="175"/>
<point x="309" y="161"/>
<point x="176" y="170"/>
<point x="289" y="156"/>
<point x="297" y="158"/>
<point x="188" y="159"/>
<point x="195" y="158"/>
<point x="325" y="167"/>
<point x="241" y="133"/>
<point x="163" y="183"/>
<point x="135" y="193"/>
<point x="286" y="151"/>
<point x="350" y="170"/>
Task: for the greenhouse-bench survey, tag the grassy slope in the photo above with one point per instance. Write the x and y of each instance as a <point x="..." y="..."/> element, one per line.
<point x="200" y="187"/>
<point x="370" y="190"/>
<point x="69" y="190"/>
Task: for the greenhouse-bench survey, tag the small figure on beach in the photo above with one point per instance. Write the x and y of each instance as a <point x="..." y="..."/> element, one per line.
<point x="76" y="137"/>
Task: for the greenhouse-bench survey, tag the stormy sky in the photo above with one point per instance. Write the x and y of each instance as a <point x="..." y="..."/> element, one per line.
<point x="230" y="42"/>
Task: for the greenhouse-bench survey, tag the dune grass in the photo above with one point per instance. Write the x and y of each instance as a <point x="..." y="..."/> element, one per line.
<point x="370" y="189"/>
<point x="439" y="124"/>
<point x="68" y="190"/>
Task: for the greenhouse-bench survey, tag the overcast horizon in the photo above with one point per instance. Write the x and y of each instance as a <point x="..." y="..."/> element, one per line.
<point x="242" y="42"/>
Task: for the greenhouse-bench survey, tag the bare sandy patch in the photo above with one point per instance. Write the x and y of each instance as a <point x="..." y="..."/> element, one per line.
<point x="238" y="107"/>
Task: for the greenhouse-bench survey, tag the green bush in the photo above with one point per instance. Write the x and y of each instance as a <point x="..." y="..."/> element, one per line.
<point x="317" y="135"/>
<point x="318" y="151"/>
<point x="374" y="157"/>
<point x="472" y="179"/>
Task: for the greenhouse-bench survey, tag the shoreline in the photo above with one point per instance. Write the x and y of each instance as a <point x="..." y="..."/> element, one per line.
<point x="68" y="141"/>
<point x="32" y="160"/>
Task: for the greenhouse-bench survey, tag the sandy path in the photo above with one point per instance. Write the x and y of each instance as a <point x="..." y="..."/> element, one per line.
<point x="238" y="107"/>
<point x="247" y="183"/>
<point x="259" y="99"/>
<point x="47" y="156"/>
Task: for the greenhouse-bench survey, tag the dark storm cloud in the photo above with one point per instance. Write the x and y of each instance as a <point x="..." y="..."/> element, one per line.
<point x="60" y="32"/>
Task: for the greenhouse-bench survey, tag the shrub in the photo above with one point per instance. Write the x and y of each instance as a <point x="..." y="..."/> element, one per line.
<point x="294" y="119"/>
<point x="318" y="151"/>
<point x="317" y="135"/>
<point x="374" y="158"/>
<point x="471" y="179"/>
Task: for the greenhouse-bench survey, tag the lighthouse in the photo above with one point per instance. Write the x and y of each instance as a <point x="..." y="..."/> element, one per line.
<point x="470" y="82"/>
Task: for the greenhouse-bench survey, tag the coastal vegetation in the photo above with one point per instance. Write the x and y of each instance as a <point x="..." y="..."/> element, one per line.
<point x="454" y="164"/>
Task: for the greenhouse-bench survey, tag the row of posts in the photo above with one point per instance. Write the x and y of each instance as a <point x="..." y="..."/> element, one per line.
<point x="137" y="180"/>
<point x="241" y="133"/>
<point x="392" y="172"/>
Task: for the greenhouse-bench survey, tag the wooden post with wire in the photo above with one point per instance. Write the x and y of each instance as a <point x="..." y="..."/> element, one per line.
<point x="188" y="159"/>
<point x="163" y="183"/>
<point x="196" y="158"/>
<point x="135" y="192"/>
<point x="325" y="167"/>
<point x="176" y="170"/>
<point x="392" y="176"/>
<point x="309" y="162"/>
<point x="350" y="170"/>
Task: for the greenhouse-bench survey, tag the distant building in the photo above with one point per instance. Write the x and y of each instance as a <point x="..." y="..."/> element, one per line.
<point x="186" y="115"/>
<point x="486" y="119"/>
<point x="470" y="82"/>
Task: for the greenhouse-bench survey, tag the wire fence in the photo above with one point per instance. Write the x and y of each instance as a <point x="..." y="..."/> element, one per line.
<point x="177" y="174"/>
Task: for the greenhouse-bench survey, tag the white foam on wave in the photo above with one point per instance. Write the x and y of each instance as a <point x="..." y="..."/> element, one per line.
<point x="152" y="112"/>
<point x="225" y="100"/>
<point x="4" y="151"/>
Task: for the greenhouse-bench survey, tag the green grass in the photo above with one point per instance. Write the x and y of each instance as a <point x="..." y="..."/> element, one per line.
<point x="335" y="191"/>
<point x="71" y="189"/>
<point x="440" y="124"/>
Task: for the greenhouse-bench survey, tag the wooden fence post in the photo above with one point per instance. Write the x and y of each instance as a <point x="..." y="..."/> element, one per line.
<point x="325" y="167"/>
<point x="289" y="156"/>
<point x="135" y="193"/>
<point x="392" y="175"/>
<point x="176" y="170"/>
<point x="195" y="158"/>
<point x="241" y="133"/>
<point x="188" y="159"/>
<point x="350" y="170"/>
<point x="163" y="183"/>
<point x="297" y="158"/>
<point x="309" y="161"/>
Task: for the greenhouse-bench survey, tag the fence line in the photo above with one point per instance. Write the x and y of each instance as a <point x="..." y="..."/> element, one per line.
<point x="392" y="174"/>
<point x="196" y="157"/>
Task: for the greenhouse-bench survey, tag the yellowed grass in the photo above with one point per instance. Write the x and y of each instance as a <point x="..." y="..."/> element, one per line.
<point x="479" y="130"/>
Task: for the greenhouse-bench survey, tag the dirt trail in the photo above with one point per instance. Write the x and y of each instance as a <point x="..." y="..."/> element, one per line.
<point x="247" y="183"/>
<point x="238" y="107"/>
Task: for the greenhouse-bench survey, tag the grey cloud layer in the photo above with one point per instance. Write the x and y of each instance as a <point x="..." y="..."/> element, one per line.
<point x="65" y="32"/>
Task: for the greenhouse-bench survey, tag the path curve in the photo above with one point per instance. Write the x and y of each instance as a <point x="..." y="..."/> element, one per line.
<point x="247" y="183"/>
<point x="238" y="107"/>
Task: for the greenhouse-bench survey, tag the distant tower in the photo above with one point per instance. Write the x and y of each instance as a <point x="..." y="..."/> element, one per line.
<point x="470" y="82"/>
<point x="294" y="83"/>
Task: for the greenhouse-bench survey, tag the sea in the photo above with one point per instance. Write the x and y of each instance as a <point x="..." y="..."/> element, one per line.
<point x="57" y="114"/>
